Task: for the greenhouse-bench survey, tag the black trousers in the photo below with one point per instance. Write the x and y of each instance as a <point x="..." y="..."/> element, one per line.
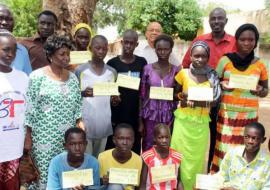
<point x="213" y="134"/>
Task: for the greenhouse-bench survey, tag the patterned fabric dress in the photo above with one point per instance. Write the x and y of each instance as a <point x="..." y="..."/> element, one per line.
<point x="155" y="111"/>
<point x="238" y="108"/>
<point x="190" y="133"/>
<point x="54" y="107"/>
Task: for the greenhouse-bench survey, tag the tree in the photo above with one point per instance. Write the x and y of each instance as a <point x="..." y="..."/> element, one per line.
<point x="25" y="16"/>
<point x="267" y="4"/>
<point x="180" y="18"/>
<point x="109" y="12"/>
<point x="71" y="12"/>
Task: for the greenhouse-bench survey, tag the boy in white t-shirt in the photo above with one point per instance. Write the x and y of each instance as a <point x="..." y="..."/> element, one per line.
<point x="13" y="88"/>
<point x="96" y="112"/>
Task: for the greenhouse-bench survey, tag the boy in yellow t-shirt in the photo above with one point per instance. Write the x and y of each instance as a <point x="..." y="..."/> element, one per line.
<point x="120" y="157"/>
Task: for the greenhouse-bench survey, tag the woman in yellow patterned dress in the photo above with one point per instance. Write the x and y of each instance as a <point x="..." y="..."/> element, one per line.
<point x="191" y="125"/>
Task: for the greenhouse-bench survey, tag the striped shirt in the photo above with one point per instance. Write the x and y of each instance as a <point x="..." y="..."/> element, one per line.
<point x="152" y="159"/>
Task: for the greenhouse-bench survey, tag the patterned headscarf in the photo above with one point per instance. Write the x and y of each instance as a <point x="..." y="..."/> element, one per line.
<point x="203" y="44"/>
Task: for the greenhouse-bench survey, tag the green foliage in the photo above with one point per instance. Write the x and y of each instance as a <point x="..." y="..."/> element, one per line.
<point x="109" y="12"/>
<point x="267" y="4"/>
<point x="180" y="18"/>
<point x="25" y="15"/>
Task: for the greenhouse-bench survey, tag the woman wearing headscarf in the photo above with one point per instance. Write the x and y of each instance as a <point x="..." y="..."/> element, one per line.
<point x="82" y="34"/>
<point x="54" y="105"/>
<point x="239" y="107"/>
<point x="191" y="124"/>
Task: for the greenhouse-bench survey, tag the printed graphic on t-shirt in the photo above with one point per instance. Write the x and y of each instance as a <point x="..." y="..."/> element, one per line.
<point x="12" y="109"/>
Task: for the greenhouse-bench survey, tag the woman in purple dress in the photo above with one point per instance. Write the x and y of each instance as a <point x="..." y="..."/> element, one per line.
<point x="159" y="74"/>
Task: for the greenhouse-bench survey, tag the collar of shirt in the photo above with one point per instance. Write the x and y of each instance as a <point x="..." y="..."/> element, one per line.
<point x="226" y="37"/>
<point x="259" y="157"/>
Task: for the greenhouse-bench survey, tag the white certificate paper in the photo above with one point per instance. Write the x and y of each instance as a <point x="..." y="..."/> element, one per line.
<point x="200" y="94"/>
<point x="243" y="81"/>
<point x="127" y="81"/>
<point x="105" y="89"/>
<point x="161" y="93"/>
<point x="77" y="177"/>
<point x="208" y="182"/>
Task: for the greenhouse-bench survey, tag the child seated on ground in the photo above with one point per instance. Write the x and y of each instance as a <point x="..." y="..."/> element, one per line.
<point x="161" y="166"/>
<point x="73" y="159"/>
<point x="120" y="157"/>
<point x="247" y="167"/>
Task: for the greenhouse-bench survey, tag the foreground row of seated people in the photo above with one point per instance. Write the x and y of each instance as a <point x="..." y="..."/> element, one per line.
<point x="244" y="167"/>
<point x="54" y="98"/>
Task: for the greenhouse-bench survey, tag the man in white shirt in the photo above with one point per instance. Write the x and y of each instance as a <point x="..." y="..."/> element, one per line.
<point x="147" y="50"/>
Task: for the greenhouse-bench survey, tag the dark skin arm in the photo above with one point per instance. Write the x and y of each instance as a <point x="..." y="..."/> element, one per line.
<point x="185" y="102"/>
<point x="28" y="140"/>
<point x="261" y="90"/>
<point x="179" y="183"/>
<point x="143" y="177"/>
<point x="88" y="92"/>
<point x="80" y="187"/>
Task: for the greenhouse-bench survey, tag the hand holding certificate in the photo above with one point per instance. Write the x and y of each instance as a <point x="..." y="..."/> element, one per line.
<point x="105" y="89"/>
<point x="124" y="176"/>
<point x="163" y="173"/>
<point x="243" y="82"/>
<point x="77" y="177"/>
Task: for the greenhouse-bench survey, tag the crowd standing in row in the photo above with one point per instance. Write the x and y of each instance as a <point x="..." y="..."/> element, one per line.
<point x="56" y="107"/>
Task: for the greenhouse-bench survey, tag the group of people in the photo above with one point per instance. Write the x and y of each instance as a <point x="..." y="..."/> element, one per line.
<point x="55" y="108"/>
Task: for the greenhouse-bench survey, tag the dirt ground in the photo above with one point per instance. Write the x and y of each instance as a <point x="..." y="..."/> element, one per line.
<point x="264" y="118"/>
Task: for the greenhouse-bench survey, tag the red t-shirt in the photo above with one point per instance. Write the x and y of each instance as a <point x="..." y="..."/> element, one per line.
<point x="226" y="45"/>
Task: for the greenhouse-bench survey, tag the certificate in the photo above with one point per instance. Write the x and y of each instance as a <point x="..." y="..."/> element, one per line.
<point x="76" y="177"/>
<point x="163" y="173"/>
<point x="200" y="94"/>
<point x="127" y="81"/>
<point x="124" y="176"/>
<point x="105" y="89"/>
<point x="79" y="57"/>
<point x="209" y="182"/>
<point x="243" y="82"/>
<point x="161" y="93"/>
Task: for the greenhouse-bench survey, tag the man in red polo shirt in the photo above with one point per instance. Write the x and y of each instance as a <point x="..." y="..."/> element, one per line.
<point x="218" y="40"/>
<point x="220" y="43"/>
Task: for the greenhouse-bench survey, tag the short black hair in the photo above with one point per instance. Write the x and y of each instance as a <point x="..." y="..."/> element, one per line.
<point x="258" y="126"/>
<point x="55" y="42"/>
<point x="218" y="9"/>
<point x="74" y="130"/>
<point x="97" y="37"/>
<point x="48" y="13"/>
<point x="164" y="37"/>
<point x="131" y="32"/>
<point x="123" y="126"/>
<point x="160" y="126"/>
<point x="5" y="32"/>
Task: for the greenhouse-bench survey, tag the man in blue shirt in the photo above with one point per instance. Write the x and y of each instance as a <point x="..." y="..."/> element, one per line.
<point x="73" y="159"/>
<point x="21" y="61"/>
